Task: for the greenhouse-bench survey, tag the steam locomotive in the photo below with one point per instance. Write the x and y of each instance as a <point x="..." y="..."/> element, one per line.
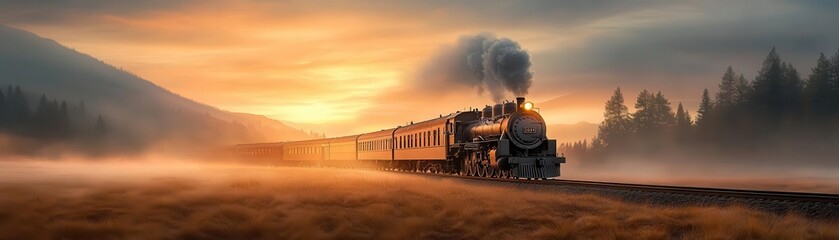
<point x="506" y="140"/>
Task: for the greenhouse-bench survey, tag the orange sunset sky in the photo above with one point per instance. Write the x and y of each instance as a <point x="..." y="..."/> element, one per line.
<point x="338" y="62"/>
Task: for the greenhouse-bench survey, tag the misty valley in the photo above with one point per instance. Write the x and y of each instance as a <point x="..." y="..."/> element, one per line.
<point x="403" y="120"/>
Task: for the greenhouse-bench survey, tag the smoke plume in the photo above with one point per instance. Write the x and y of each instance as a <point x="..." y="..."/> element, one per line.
<point x="485" y="63"/>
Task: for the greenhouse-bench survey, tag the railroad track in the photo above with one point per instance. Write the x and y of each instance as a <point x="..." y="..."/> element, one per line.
<point x="813" y="205"/>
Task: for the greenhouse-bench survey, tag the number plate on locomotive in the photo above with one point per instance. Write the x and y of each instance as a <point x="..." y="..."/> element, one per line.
<point x="529" y="130"/>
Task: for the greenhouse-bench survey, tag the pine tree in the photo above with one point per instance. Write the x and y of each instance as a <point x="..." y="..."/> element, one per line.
<point x="742" y="89"/>
<point x="792" y="89"/>
<point x="664" y="118"/>
<point x="726" y="97"/>
<point x="644" y="115"/>
<point x="777" y="90"/>
<point x="818" y="89"/>
<point x="767" y="86"/>
<point x="705" y="108"/>
<point x="616" y="126"/>
<point x="683" y="121"/>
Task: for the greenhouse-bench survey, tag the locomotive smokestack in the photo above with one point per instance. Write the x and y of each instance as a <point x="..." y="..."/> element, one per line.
<point x="519" y="102"/>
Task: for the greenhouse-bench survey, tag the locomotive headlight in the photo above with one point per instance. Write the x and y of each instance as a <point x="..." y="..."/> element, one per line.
<point x="528" y="106"/>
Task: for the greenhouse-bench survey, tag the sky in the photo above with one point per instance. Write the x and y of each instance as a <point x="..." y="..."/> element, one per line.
<point x="358" y="65"/>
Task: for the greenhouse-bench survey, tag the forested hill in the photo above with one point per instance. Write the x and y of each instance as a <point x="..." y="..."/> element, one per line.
<point x="140" y="110"/>
<point x="779" y="117"/>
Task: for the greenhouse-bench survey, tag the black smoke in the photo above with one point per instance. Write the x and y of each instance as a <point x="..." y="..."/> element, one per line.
<point x="485" y="63"/>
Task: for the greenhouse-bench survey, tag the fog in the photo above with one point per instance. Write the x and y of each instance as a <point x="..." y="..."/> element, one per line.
<point x="163" y="198"/>
<point x="687" y="170"/>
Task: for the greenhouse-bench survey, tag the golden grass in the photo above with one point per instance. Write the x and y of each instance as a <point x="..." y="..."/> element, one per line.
<point x="135" y="201"/>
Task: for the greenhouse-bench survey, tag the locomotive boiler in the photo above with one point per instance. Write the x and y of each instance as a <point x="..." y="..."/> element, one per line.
<point x="500" y="141"/>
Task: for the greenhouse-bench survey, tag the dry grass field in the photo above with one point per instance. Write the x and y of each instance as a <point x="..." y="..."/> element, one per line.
<point x="43" y="200"/>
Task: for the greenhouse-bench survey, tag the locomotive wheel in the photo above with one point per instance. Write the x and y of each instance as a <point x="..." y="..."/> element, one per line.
<point x="464" y="168"/>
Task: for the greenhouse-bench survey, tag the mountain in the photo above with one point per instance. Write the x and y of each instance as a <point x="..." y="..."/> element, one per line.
<point x="140" y="109"/>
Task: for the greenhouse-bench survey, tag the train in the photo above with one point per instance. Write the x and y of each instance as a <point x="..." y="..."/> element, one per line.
<point x="505" y="140"/>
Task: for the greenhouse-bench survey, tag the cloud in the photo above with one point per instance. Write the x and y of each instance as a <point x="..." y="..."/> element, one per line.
<point x="701" y="42"/>
<point x="354" y="58"/>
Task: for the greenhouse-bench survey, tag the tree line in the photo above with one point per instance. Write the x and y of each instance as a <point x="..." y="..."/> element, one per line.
<point x="776" y="108"/>
<point x="47" y="121"/>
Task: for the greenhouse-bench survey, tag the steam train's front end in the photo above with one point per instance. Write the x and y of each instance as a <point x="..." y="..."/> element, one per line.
<point x="510" y="141"/>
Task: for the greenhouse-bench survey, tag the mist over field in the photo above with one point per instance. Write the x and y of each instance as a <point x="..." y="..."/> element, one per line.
<point x="166" y="199"/>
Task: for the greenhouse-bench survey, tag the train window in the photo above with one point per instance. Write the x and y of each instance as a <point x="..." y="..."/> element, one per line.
<point x="436" y="137"/>
<point x="428" y="138"/>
